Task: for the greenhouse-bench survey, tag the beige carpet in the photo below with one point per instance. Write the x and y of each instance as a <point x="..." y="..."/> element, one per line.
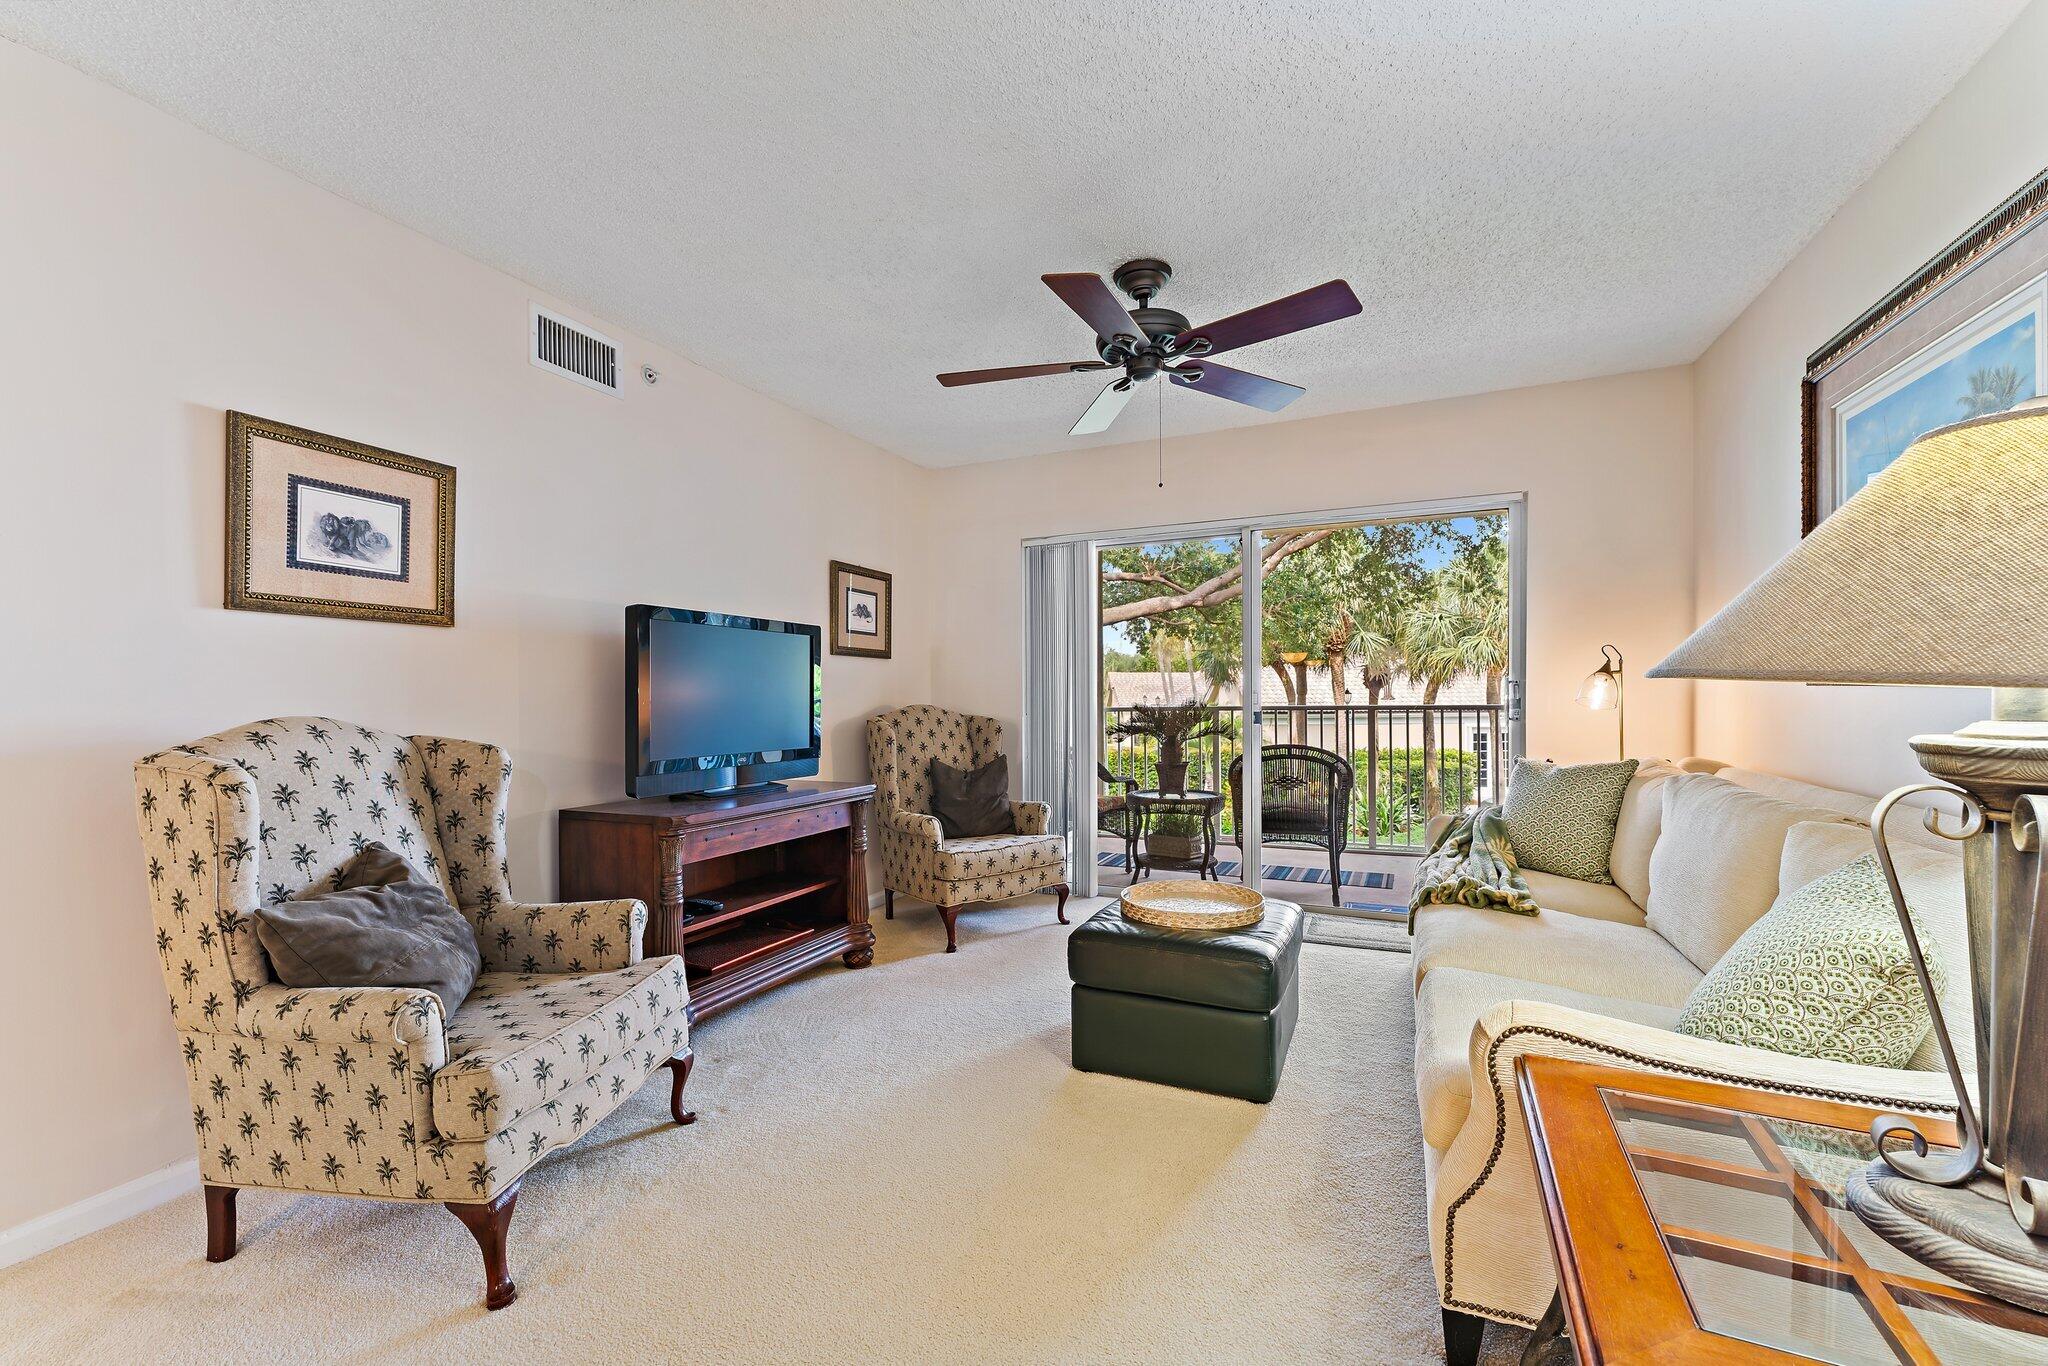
<point x="895" y="1164"/>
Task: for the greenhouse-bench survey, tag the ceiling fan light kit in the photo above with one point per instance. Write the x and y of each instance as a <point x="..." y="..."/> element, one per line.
<point x="1148" y="341"/>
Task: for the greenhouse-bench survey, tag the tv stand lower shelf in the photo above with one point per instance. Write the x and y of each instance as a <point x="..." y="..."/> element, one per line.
<point x="789" y="868"/>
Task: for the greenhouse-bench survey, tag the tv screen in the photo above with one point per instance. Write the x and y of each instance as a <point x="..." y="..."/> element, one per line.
<point x="716" y="702"/>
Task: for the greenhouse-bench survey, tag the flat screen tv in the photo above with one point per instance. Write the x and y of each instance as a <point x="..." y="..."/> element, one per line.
<point x="718" y="703"/>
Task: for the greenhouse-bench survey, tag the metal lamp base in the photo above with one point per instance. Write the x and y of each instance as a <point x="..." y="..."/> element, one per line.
<point x="1966" y="1232"/>
<point x="1979" y="1211"/>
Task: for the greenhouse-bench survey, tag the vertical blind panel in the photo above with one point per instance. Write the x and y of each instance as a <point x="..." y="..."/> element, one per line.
<point x="1056" y="691"/>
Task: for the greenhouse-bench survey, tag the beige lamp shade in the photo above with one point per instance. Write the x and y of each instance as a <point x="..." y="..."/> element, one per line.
<point x="1931" y="574"/>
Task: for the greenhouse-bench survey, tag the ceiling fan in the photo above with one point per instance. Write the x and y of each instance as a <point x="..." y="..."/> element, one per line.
<point x="1148" y="341"/>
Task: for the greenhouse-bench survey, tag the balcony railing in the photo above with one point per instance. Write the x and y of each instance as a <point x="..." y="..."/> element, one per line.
<point x="1393" y="752"/>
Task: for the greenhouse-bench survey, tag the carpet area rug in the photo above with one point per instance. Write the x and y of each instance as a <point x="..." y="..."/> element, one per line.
<point x="1357" y="932"/>
<point x="891" y="1165"/>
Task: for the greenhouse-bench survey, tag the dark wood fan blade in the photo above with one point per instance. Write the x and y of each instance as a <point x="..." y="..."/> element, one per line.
<point x="1324" y="303"/>
<point x="1239" y="386"/>
<point x="959" y="377"/>
<point x="1104" y="410"/>
<point x="1088" y="296"/>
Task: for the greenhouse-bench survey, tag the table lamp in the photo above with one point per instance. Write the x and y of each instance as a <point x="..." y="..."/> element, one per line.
<point x="1932" y="574"/>
<point x="1602" y="692"/>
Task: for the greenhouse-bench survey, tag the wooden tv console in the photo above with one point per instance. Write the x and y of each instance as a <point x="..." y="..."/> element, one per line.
<point x="790" y="867"/>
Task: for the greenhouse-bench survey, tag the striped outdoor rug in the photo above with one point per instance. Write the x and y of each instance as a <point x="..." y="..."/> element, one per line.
<point x="1280" y="872"/>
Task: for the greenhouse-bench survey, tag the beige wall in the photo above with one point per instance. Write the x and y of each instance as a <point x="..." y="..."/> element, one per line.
<point x="1982" y="143"/>
<point x="1606" y="465"/>
<point x="157" y="277"/>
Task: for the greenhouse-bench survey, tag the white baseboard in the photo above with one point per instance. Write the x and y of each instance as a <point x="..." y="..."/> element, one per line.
<point x="96" y="1212"/>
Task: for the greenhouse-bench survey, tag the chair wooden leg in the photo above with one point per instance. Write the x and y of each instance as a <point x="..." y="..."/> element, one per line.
<point x="951" y="915"/>
<point x="1061" y="909"/>
<point x="220" y="1223"/>
<point x="679" y="1070"/>
<point x="1462" y="1334"/>
<point x="888" y="905"/>
<point x="487" y="1223"/>
<point x="1336" y="877"/>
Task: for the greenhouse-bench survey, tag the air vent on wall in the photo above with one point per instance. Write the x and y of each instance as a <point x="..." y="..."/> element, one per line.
<point x="574" y="351"/>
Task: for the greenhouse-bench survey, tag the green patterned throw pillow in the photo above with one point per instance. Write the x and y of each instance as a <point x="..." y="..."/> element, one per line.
<point x="1824" y="974"/>
<point x="1560" y="817"/>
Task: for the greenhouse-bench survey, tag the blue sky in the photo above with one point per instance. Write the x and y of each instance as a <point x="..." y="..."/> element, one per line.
<point x="1876" y="436"/>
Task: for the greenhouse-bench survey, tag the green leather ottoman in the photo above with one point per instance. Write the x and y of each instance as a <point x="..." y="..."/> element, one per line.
<point x="1201" y="1009"/>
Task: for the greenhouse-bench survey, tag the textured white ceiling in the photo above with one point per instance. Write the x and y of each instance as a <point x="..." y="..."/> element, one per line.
<point x="832" y="200"/>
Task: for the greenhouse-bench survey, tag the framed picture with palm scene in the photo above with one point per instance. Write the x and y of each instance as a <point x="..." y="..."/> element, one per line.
<point x="322" y="526"/>
<point x="862" y="614"/>
<point x="1962" y="337"/>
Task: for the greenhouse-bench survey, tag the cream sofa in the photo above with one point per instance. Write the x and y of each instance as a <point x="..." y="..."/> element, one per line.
<point x="1590" y="977"/>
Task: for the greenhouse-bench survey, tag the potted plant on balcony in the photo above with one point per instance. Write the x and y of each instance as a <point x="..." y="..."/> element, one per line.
<point x="1175" y="833"/>
<point x="1172" y="726"/>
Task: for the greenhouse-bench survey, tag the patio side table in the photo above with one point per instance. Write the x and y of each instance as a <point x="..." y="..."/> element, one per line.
<point x="1147" y="804"/>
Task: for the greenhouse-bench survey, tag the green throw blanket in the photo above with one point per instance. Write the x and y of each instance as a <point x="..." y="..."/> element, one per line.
<point x="1471" y="864"/>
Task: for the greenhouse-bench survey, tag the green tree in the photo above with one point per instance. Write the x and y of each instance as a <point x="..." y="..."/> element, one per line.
<point x="1992" y="391"/>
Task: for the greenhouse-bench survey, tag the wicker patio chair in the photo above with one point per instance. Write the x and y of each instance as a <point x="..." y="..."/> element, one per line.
<point x="1304" y="799"/>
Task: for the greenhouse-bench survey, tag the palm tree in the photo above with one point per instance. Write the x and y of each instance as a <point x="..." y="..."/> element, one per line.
<point x="1429" y="633"/>
<point x="1478" y="586"/>
<point x="1992" y="391"/>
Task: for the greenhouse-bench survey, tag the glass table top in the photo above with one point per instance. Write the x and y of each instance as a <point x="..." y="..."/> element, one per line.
<point x="1751" y="1214"/>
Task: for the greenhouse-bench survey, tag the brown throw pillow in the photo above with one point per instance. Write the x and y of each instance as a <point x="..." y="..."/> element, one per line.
<point x="973" y="801"/>
<point x="380" y="926"/>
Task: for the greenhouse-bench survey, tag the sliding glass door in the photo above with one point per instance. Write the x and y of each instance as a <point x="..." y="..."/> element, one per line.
<point x="1288" y="701"/>
<point x="1386" y="650"/>
<point x="1171" y="631"/>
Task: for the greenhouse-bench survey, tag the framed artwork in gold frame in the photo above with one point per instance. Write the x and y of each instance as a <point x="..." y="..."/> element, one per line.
<point x="862" y="613"/>
<point x="322" y="526"/>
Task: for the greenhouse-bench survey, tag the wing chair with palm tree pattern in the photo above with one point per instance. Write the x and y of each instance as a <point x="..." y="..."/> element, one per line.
<point x="375" y="1091"/>
<point x="917" y="859"/>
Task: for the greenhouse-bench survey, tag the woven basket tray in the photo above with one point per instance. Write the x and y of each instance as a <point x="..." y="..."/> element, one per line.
<point x="1182" y="905"/>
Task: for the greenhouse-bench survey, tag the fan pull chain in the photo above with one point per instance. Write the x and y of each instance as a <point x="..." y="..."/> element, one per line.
<point x="1162" y="431"/>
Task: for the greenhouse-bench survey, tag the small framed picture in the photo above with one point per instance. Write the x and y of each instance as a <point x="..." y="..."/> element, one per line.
<point x="860" y="611"/>
<point x="322" y="526"/>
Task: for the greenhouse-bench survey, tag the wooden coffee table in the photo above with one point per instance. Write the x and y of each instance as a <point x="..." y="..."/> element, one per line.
<point x="1697" y="1222"/>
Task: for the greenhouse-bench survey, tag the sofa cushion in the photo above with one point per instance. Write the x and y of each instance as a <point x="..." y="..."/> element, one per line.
<point x="1573" y="951"/>
<point x="1560" y="817"/>
<point x="1824" y="974"/>
<point x="1714" y="871"/>
<point x="524" y="1041"/>
<point x="1933" y="882"/>
<point x="1599" y="900"/>
<point x="1635" y="829"/>
<point x="993" y="855"/>
<point x="1905" y="825"/>
<point x="380" y="925"/>
<point x="1451" y="1002"/>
